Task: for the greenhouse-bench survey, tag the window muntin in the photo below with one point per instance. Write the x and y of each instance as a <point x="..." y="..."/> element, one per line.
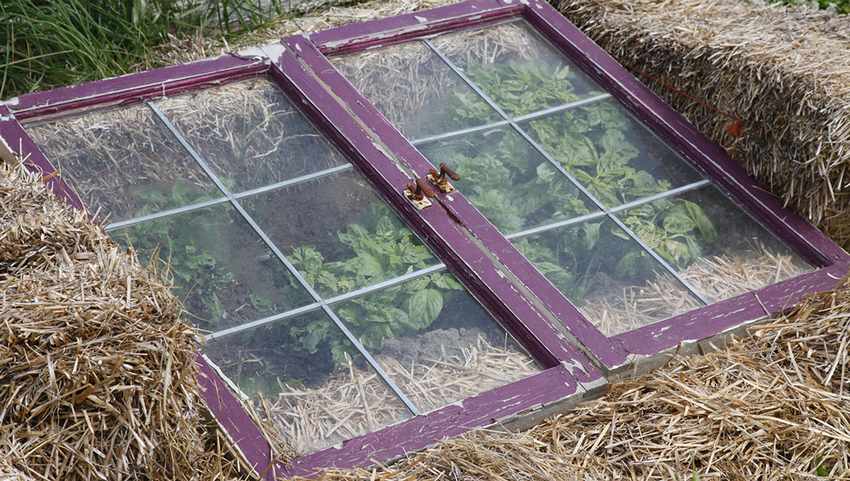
<point x="414" y="89"/>
<point x="250" y="134"/>
<point x="123" y="162"/>
<point x="338" y="233"/>
<point x="223" y="271"/>
<point x="317" y="397"/>
<point x="591" y="197"/>
<point x="312" y="290"/>
<point x="513" y="65"/>
<point x="721" y="251"/>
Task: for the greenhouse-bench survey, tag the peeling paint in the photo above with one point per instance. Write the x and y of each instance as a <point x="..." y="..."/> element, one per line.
<point x="573" y="364"/>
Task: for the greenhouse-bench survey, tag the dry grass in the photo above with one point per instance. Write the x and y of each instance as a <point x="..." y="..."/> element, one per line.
<point x="250" y="133"/>
<point x="784" y="71"/>
<point x="773" y="406"/>
<point x="98" y="369"/>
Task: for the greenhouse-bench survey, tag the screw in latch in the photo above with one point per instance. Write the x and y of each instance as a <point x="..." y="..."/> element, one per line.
<point x="441" y="178"/>
<point x="418" y="193"/>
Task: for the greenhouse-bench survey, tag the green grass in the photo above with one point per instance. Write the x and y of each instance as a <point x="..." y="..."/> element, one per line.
<point x="48" y="43"/>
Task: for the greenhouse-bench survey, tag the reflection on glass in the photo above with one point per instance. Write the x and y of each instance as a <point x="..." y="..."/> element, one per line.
<point x="714" y="245"/>
<point x="318" y="389"/>
<point x="250" y="133"/>
<point x="122" y="162"/>
<point x="221" y="268"/>
<point x="415" y="90"/>
<point x="435" y="341"/>
<point x="516" y="67"/>
<point x="609" y="152"/>
<point x="514" y="186"/>
<point x="608" y="276"/>
<point x="338" y="233"/>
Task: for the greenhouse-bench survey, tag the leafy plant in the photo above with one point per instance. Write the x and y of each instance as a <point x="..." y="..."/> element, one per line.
<point x="156" y="197"/>
<point x="198" y="247"/>
<point x="518" y="88"/>
<point x="508" y="182"/>
<point x="592" y="143"/>
<point x="675" y="229"/>
<point x="379" y="246"/>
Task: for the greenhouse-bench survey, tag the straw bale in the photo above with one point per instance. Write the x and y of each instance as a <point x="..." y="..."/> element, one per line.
<point x="97" y="372"/>
<point x="783" y="71"/>
<point x="10" y="473"/>
<point x="33" y="221"/>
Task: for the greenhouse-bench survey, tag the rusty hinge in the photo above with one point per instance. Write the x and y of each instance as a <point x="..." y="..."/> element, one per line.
<point x="418" y="193"/>
<point x="441" y="178"/>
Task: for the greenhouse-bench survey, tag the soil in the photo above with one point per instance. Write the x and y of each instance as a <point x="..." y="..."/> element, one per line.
<point x="437" y="344"/>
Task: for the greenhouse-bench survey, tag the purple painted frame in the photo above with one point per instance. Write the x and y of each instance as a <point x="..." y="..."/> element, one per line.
<point x="616" y="352"/>
<point x="568" y="375"/>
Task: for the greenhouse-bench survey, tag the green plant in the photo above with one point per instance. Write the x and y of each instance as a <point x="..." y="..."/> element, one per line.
<point x="156" y="197"/>
<point x="512" y="186"/>
<point x="45" y="44"/>
<point x="518" y="87"/>
<point x="217" y="286"/>
<point x="676" y="229"/>
<point x="379" y="246"/>
<point x="593" y="144"/>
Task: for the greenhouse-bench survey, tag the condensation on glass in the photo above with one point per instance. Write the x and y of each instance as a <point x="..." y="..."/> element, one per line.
<point x="623" y="226"/>
<point x="286" y="257"/>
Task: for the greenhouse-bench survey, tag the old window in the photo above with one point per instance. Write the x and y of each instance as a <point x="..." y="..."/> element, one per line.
<point x="380" y="303"/>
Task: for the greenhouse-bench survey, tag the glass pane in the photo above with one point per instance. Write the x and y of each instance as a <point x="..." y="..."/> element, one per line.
<point x="222" y="270"/>
<point x="615" y="283"/>
<point x="609" y="152"/>
<point x="516" y="67"/>
<point x="415" y="90"/>
<point x="714" y="245"/>
<point x="250" y="134"/>
<point x="122" y="162"/>
<point x="338" y="233"/>
<point x="435" y="341"/>
<point x="319" y="389"/>
<point x="514" y="186"/>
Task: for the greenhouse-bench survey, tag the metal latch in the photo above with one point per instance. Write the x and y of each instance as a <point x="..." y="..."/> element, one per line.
<point x="418" y="193"/>
<point x="441" y="178"/>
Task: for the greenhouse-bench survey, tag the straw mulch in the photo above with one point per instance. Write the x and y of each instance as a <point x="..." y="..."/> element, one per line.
<point x="716" y="277"/>
<point x="97" y="373"/>
<point x="783" y="71"/>
<point x="354" y="401"/>
<point x="772" y="406"/>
